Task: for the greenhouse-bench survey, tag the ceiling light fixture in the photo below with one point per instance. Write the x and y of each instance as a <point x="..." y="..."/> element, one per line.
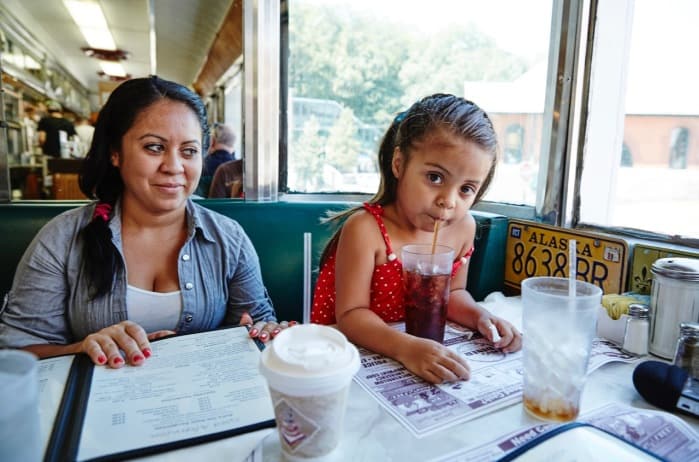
<point x="90" y="19"/>
<point x="106" y="55"/>
<point x="112" y="68"/>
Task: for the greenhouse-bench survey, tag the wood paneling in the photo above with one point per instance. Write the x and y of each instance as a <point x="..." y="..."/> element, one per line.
<point x="226" y="48"/>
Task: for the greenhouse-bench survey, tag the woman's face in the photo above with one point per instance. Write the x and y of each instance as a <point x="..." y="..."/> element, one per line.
<point x="161" y="160"/>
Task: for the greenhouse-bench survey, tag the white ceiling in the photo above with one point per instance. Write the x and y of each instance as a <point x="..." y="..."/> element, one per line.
<point x="184" y="32"/>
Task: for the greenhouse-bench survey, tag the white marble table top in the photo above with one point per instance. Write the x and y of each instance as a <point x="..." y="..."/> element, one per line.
<point x="372" y="434"/>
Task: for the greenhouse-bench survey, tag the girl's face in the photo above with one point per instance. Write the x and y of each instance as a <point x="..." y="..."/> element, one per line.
<point x="160" y="159"/>
<point x="440" y="180"/>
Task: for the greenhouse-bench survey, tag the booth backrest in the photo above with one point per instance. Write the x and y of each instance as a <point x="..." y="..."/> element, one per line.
<point x="276" y="230"/>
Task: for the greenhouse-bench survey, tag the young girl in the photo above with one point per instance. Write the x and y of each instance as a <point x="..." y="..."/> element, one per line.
<point x="437" y="159"/>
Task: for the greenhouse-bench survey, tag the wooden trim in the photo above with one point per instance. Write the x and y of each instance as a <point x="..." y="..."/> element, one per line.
<point x="226" y="48"/>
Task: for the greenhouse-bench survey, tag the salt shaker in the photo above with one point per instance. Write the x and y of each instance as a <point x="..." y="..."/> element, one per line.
<point x="636" y="333"/>
<point x="687" y="352"/>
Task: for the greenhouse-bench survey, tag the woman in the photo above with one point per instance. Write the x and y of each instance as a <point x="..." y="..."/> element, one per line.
<point x="143" y="261"/>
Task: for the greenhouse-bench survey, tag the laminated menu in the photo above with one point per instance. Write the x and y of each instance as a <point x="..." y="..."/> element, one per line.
<point x="193" y="389"/>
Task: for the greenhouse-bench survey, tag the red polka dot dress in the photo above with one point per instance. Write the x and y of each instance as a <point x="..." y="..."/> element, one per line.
<point x="386" y="283"/>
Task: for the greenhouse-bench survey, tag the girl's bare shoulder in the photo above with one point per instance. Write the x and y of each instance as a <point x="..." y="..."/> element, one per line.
<point x="359" y="222"/>
<point x="361" y="235"/>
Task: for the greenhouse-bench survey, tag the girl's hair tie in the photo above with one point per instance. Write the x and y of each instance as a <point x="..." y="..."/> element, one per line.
<point x="102" y="210"/>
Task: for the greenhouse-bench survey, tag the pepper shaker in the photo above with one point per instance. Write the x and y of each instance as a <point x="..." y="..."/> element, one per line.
<point x="636" y="333"/>
<point x="687" y="352"/>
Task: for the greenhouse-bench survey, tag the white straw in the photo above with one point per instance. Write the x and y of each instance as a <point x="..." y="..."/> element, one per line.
<point x="572" y="267"/>
<point x="306" y="278"/>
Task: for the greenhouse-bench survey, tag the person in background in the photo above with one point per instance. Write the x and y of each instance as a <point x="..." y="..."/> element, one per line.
<point x="30" y="123"/>
<point x="85" y="132"/>
<point x="222" y="150"/>
<point x="189" y="268"/>
<point x="228" y="180"/>
<point x="437" y="159"/>
<point x="50" y="128"/>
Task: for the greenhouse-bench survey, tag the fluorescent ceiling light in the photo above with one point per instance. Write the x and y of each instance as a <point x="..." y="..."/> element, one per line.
<point x="112" y="68"/>
<point x="90" y="19"/>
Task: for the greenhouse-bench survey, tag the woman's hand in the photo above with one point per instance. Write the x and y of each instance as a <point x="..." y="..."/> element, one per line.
<point x="265" y="331"/>
<point x="432" y="361"/>
<point x="503" y="334"/>
<point x="103" y="346"/>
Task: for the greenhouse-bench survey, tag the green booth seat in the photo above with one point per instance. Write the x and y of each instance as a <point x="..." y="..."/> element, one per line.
<point x="277" y="232"/>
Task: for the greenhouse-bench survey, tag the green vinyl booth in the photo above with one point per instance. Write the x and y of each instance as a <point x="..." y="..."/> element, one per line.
<point x="277" y="232"/>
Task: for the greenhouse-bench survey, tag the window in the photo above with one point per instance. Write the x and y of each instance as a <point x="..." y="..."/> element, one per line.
<point x="233" y="108"/>
<point x="354" y="64"/>
<point x="654" y="186"/>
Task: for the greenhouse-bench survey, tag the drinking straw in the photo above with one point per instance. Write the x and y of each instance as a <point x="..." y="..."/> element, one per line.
<point x="306" y="278"/>
<point x="434" y="238"/>
<point x="572" y="267"/>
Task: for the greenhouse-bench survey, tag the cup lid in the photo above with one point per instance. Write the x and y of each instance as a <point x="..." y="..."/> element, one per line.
<point x="686" y="269"/>
<point x="309" y="358"/>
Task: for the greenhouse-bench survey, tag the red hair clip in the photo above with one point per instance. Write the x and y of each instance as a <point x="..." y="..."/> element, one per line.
<point x="102" y="210"/>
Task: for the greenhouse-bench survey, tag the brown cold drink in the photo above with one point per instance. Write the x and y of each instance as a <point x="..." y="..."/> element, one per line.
<point x="426" y="298"/>
<point x="426" y="278"/>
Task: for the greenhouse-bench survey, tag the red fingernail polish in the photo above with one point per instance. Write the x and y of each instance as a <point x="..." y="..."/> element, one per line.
<point x="147" y="353"/>
<point x="101" y="359"/>
<point x="276" y="331"/>
<point x="253" y="332"/>
<point x="118" y="360"/>
<point x="138" y="358"/>
<point x="263" y="335"/>
<point x="292" y="323"/>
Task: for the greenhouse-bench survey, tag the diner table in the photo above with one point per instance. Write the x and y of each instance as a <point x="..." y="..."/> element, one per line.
<point x="371" y="433"/>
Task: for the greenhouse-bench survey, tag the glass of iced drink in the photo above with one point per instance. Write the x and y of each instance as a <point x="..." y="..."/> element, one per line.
<point x="309" y="369"/>
<point x="558" y="332"/>
<point x="19" y="411"/>
<point x="426" y="277"/>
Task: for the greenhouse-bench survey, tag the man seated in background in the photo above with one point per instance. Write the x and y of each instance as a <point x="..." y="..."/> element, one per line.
<point x="228" y="180"/>
<point x="222" y="146"/>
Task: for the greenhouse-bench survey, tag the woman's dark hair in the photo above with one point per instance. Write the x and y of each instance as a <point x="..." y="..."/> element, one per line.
<point x="453" y="114"/>
<point x="101" y="180"/>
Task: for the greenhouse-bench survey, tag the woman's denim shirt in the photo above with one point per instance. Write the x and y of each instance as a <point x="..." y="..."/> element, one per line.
<point x="219" y="274"/>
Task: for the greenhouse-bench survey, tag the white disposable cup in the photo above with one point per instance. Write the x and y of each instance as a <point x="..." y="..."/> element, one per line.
<point x="19" y="412"/>
<point x="558" y="332"/>
<point x="309" y="369"/>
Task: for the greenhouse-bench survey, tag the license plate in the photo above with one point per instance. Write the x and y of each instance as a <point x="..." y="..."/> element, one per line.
<point x="534" y="249"/>
<point x="643" y="258"/>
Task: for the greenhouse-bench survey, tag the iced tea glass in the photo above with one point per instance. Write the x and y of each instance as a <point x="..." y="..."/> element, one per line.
<point x="558" y="332"/>
<point x="426" y="277"/>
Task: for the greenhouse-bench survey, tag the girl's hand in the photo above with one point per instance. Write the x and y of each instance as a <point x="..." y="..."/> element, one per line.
<point x="433" y="361"/>
<point x="503" y="334"/>
<point x="103" y="346"/>
<point x="265" y="331"/>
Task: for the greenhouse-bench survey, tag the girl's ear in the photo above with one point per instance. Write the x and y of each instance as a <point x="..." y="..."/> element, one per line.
<point x="397" y="162"/>
<point x="114" y="157"/>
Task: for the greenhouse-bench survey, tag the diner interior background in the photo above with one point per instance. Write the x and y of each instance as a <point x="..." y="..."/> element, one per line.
<point x="349" y="66"/>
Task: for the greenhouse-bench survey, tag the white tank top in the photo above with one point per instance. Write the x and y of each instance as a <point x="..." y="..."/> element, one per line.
<point x="153" y="310"/>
